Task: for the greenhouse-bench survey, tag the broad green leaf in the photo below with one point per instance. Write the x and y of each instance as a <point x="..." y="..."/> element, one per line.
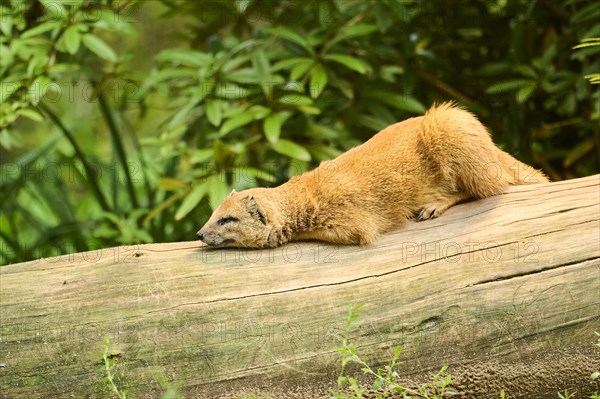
<point x="318" y="81"/>
<point x="509" y="85"/>
<point x="181" y="115"/>
<point x="38" y="88"/>
<point x="261" y="64"/>
<point x="578" y="152"/>
<point x="290" y="62"/>
<point x="244" y="172"/>
<point x="260" y="111"/>
<point x="351" y="62"/>
<point x="321" y="132"/>
<point x="7" y="89"/>
<point x="63" y="68"/>
<point x="213" y="112"/>
<point x="526" y="71"/>
<point x="288" y="34"/>
<point x="72" y="39"/>
<point x="377" y="384"/>
<point x="175" y="73"/>
<point x="344" y="86"/>
<point x="54" y="10"/>
<point x="242" y="75"/>
<point x="525" y="92"/>
<point x="296" y="99"/>
<point x="99" y="47"/>
<point x="230" y="64"/>
<point x="183" y="56"/>
<point x="217" y="190"/>
<point x="272" y="125"/>
<point x="31" y="114"/>
<point x="231" y="91"/>
<point x="353" y="31"/>
<point x="236" y="122"/>
<point x="170" y="184"/>
<point x="388" y="72"/>
<point x="300" y="69"/>
<point x="291" y="149"/>
<point x="398" y="101"/>
<point x="201" y="155"/>
<point x="34" y="67"/>
<point x="41" y="28"/>
<point x="234" y="110"/>
<point x="192" y="200"/>
<point x="307" y="109"/>
<point x="6" y="24"/>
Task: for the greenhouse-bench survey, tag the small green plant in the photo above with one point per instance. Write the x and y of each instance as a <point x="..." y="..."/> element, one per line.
<point x="503" y="395"/>
<point x="385" y="378"/>
<point x="169" y="389"/>
<point x="109" y="364"/>
<point x="566" y="394"/>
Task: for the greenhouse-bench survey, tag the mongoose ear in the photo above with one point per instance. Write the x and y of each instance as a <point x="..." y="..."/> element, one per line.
<point x="232" y="192"/>
<point x="255" y="209"/>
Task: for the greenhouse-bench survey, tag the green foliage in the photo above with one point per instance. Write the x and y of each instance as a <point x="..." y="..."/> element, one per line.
<point x="594" y="78"/>
<point x="109" y="365"/>
<point x="566" y="394"/>
<point x="385" y="379"/>
<point x="251" y="93"/>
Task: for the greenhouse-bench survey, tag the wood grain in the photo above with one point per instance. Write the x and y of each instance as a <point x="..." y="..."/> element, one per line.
<point x="505" y="290"/>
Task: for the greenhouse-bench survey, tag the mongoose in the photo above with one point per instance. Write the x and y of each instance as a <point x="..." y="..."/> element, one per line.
<point x="418" y="167"/>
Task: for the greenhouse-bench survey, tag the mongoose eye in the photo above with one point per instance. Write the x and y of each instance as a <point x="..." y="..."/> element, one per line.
<point x="228" y="219"/>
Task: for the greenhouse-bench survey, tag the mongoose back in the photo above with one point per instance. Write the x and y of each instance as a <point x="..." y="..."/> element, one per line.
<point x="417" y="167"/>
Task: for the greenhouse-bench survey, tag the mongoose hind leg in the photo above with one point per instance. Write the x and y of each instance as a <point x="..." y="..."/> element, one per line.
<point x="434" y="209"/>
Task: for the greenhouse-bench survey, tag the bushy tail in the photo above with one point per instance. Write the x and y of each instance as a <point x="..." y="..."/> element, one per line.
<point x="519" y="172"/>
<point x="454" y="142"/>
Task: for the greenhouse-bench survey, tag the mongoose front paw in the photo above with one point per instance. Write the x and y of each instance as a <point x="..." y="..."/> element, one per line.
<point x="429" y="212"/>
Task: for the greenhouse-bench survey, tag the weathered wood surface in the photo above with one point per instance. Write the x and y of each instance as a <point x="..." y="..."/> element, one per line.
<point x="505" y="290"/>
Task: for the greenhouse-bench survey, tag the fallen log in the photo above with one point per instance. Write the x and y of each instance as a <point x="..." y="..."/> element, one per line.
<point x="504" y="290"/>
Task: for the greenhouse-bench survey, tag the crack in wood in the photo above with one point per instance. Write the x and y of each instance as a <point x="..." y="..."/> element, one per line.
<point x="533" y="272"/>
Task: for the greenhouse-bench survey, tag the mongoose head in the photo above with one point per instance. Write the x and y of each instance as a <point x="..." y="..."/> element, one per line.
<point x="240" y="221"/>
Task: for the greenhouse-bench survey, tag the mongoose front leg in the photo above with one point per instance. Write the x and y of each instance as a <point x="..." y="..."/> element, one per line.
<point x="436" y="208"/>
<point x="336" y="235"/>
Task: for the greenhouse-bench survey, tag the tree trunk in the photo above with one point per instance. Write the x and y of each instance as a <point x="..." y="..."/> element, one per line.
<point x="505" y="290"/>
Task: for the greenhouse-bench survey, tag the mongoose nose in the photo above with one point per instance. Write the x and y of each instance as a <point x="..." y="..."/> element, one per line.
<point x="200" y="235"/>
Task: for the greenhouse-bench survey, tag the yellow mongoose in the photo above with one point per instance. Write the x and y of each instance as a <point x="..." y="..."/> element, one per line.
<point x="422" y="165"/>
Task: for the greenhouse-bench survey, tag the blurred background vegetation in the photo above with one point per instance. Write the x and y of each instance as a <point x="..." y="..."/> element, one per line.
<point x="126" y="122"/>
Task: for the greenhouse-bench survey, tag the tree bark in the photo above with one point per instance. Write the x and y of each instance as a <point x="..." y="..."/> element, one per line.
<point x="504" y="290"/>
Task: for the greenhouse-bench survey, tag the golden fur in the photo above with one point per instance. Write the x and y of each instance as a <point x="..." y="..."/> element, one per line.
<point x="422" y="165"/>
